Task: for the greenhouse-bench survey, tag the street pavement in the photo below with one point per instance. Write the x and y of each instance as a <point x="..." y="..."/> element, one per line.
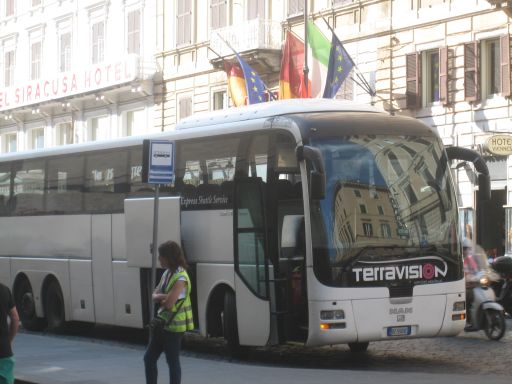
<point x="54" y="359"/>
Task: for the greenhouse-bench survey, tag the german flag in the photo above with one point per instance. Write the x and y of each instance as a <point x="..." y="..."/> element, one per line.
<point x="236" y="83"/>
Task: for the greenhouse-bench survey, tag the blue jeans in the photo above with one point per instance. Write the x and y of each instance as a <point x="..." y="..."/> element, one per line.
<point x="170" y="343"/>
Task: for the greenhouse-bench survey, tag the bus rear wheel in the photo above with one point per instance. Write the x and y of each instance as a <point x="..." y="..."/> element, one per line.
<point x="26" y="306"/>
<point x="358" y="347"/>
<point x="54" y="304"/>
<point x="230" y="325"/>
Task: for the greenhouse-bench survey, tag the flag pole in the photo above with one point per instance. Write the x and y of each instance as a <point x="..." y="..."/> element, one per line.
<point x="367" y="87"/>
<point x="306" y="69"/>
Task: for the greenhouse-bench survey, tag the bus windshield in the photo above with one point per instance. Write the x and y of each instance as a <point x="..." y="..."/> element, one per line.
<point x="389" y="213"/>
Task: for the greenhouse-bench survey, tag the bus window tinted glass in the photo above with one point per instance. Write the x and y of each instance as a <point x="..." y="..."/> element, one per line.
<point x="64" y="184"/>
<point x="137" y="187"/>
<point x="106" y="181"/>
<point x="29" y="188"/>
<point x="5" y="187"/>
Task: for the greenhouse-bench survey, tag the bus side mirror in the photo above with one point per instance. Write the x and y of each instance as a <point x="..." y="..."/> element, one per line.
<point x="317" y="185"/>
<point x="317" y="176"/>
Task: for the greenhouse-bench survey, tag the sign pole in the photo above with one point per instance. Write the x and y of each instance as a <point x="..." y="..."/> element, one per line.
<point x="157" y="169"/>
<point x="154" y="249"/>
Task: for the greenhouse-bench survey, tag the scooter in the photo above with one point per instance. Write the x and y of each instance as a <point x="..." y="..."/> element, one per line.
<point x="503" y="288"/>
<point x="484" y="312"/>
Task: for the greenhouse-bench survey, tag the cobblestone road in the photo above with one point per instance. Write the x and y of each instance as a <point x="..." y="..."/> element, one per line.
<point x="468" y="353"/>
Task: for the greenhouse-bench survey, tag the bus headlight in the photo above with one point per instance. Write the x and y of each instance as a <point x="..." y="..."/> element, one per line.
<point x="459" y="306"/>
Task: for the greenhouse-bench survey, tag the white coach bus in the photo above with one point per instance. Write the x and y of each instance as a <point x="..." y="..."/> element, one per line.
<point x="311" y="220"/>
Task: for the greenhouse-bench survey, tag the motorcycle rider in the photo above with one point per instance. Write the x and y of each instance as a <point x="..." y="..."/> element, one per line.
<point x="470" y="270"/>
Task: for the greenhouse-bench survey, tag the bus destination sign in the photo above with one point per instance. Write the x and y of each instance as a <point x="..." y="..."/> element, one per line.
<point x="160" y="161"/>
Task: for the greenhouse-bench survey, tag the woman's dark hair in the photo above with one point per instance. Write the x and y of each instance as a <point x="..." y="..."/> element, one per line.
<point x="173" y="254"/>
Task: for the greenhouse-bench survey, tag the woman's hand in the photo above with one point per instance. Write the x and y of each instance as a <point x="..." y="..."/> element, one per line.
<point x="158" y="297"/>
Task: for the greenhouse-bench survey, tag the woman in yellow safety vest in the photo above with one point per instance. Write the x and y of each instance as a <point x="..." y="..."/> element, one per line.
<point x="174" y="316"/>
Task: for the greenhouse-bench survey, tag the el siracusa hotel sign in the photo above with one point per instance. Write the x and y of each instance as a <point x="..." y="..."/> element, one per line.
<point x="70" y="83"/>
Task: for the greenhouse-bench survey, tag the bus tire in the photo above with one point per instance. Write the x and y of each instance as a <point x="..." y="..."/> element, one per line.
<point x="230" y="325"/>
<point x="358" y="347"/>
<point x="26" y="306"/>
<point x="54" y="304"/>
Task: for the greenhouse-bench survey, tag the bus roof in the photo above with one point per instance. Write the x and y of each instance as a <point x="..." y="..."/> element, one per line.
<point x="207" y="120"/>
<point x="274" y="108"/>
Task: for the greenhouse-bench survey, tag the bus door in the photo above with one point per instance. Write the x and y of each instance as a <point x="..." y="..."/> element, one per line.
<point x="251" y="262"/>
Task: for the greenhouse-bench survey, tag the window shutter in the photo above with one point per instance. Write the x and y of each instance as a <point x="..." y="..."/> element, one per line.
<point x="505" y="65"/>
<point x="471" y="71"/>
<point x="443" y="75"/>
<point x="412" y="75"/>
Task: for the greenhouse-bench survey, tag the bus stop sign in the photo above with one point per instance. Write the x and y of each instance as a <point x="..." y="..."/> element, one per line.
<point x="158" y="161"/>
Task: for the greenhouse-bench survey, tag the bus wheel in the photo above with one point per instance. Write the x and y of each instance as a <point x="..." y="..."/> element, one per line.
<point x="230" y="326"/>
<point x="358" y="347"/>
<point x="26" y="306"/>
<point x="54" y="304"/>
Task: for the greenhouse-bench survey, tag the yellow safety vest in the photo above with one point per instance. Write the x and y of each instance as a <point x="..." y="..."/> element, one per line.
<point x="183" y="319"/>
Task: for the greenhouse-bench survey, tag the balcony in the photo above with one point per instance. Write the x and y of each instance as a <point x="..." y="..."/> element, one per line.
<point x="257" y="41"/>
<point x="504" y="5"/>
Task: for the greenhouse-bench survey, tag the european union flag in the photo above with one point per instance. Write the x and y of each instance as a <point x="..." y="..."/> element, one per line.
<point x="256" y="89"/>
<point x="340" y="65"/>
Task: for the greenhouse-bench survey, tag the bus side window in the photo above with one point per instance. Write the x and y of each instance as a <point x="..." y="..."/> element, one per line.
<point x="28" y="198"/>
<point x="5" y="189"/>
<point x="64" y="189"/>
<point x="106" y="173"/>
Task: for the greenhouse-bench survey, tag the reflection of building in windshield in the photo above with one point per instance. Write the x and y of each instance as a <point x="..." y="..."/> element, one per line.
<point x="364" y="216"/>
<point x="399" y="202"/>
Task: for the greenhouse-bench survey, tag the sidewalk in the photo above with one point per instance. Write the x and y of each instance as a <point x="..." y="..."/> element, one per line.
<point x="55" y="360"/>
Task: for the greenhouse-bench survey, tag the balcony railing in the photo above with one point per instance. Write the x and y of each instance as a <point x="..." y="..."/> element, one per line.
<point x="254" y="34"/>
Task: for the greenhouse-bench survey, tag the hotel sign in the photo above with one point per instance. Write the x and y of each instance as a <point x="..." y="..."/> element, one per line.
<point x="70" y="83"/>
<point x="499" y="145"/>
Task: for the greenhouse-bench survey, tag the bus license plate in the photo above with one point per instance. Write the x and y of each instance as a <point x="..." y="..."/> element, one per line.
<point x="399" y="331"/>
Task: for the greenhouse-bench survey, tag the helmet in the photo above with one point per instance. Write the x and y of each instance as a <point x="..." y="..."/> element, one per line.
<point x="466" y="243"/>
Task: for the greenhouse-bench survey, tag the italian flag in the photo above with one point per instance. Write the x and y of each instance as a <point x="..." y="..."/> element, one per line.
<point x="319" y="49"/>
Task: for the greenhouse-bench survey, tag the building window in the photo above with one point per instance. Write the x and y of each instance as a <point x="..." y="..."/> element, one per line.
<point x="431" y="72"/>
<point x="368" y="229"/>
<point x="184" y="25"/>
<point x="255" y="9"/>
<point x="220" y="100"/>
<point x="381" y="210"/>
<point x="487" y="68"/>
<point x="65" y="52"/>
<point x="9" y="68"/>
<point x="491" y="72"/>
<point x="135" y="122"/>
<point x="295" y="7"/>
<point x="36" y="137"/>
<point x="219" y="13"/>
<point x="362" y="208"/>
<point x="427" y="78"/>
<point x="9" y="8"/>
<point x="385" y="230"/>
<point x="133" y="32"/>
<point x="98" y="41"/>
<point x="65" y="134"/>
<point x="341" y="2"/>
<point x="357" y="192"/>
<point x="99" y="128"/>
<point x="10" y="142"/>
<point x="184" y="107"/>
<point x="35" y="60"/>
